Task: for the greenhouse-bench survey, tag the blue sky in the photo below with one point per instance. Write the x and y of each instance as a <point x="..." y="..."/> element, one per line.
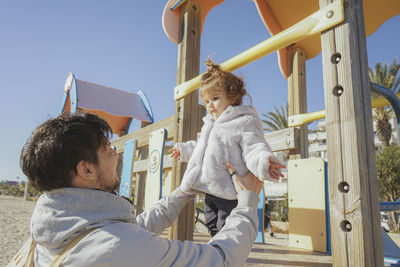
<point x="122" y="44"/>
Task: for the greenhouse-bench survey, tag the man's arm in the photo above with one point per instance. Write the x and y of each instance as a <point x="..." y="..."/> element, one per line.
<point x="164" y="212"/>
<point x="230" y="247"/>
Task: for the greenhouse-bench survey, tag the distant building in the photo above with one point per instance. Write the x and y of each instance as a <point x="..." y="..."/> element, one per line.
<point x="317" y="139"/>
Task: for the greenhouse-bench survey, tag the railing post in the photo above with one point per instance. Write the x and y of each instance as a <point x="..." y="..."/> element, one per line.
<point x="353" y="186"/>
<point x="297" y="97"/>
<point x="186" y="124"/>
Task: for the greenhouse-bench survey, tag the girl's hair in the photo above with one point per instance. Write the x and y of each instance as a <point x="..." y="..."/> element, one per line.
<point x="217" y="79"/>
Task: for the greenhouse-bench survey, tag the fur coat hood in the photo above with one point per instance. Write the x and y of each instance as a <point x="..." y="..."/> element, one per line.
<point x="236" y="136"/>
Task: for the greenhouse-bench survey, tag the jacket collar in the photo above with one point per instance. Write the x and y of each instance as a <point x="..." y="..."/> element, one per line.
<point x="229" y="113"/>
<point x="61" y="213"/>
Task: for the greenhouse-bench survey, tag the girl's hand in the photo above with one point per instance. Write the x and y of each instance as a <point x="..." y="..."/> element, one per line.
<point x="274" y="170"/>
<point x="176" y="153"/>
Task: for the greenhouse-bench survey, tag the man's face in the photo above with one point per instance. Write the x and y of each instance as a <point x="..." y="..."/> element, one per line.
<point x="107" y="178"/>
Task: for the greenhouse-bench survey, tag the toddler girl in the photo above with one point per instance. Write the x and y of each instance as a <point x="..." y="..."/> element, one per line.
<point x="233" y="133"/>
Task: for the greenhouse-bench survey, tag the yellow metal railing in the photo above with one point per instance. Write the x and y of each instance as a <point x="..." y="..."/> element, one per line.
<point x="317" y="22"/>
<point x="300" y="119"/>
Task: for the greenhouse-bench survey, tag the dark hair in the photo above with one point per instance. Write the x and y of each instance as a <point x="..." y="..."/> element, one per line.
<point x="216" y="78"/>
<point x="50" y="156"/>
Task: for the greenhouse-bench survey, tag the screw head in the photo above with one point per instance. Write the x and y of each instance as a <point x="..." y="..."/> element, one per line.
<point x="329" y="14"/>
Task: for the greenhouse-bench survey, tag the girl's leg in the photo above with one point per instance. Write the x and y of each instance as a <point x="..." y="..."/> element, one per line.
<point x="270" y="229"/>
<point x="225" y="207"/>
<point x="211" y="214"/>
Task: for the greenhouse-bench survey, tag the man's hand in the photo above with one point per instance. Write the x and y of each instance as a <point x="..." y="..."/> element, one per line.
<point x="248" y="182"/>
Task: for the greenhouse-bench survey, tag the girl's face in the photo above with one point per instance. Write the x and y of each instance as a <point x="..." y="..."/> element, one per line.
<point x="216" y="102"/>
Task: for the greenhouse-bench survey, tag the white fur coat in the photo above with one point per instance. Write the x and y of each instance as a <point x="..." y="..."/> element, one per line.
<point x="236" y="136"/>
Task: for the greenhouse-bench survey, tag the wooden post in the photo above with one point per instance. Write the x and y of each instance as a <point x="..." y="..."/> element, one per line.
<point x="140" y="183"/>
<point x="353" y="187"/>
<point x="187" y="122"/>
<point x="297" y="97"/>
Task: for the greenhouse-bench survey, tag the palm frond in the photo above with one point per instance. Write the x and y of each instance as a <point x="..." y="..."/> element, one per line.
<point x="275" y="120"/>
<point x="384" y="75"/>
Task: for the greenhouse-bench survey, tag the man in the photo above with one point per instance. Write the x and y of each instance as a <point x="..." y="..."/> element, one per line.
<point x="70" y="160"/>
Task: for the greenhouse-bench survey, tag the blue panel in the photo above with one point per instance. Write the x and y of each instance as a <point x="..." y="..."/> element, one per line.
<point x="146" y="104"/>
<point x="390" y="206"/>
<point x="392" y="262"/>
<point x="64" y="101"/>
<point x="177" y="4"/>
<point x="128" y="125"/>
<point x="73" y="97"/>
<point x="391" y="251"/>
<point x="125" y="188"/>
<point x="67" y="93"/>
<point x="260" y="214"/>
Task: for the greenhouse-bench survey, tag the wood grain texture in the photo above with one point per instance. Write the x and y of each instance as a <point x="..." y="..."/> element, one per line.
<point x="186" y="122"/>
<point x="142" y="135"/>
<point x="297" y="97"/>
<point x="351" y="152"/>
<point x="140" y="182"/>
<point x="285" y="139"/>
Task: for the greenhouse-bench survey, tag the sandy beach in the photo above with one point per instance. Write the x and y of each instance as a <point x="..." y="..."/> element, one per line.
<point x="15" y="214"/>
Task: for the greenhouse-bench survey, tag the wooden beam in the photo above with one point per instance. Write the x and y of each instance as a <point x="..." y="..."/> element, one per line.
<point x="297" y="97"/>
<point x="187" y="123"/>
<point x="282" y="140"/>
<point x="286" y="139"/>
<point x="353" y="187"/>
<point x="142" y="135"/>
<point x="141" y="165"/>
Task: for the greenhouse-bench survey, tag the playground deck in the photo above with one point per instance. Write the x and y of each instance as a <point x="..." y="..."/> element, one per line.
<point x="275" y="252"/>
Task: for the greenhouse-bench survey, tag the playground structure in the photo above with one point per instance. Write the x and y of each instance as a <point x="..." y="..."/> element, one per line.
<point x="354" y="207"/>
<point x="119" y="109"/>
<point x="344" y="25"/>
<point x="389" y="99"/>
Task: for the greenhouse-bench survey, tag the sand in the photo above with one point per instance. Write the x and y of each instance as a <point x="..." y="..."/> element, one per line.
<point x="15" y="214"/>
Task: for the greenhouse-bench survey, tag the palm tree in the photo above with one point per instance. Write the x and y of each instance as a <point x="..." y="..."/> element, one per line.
<point x="385" y="76"/>
<point x="276" y="120"/>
